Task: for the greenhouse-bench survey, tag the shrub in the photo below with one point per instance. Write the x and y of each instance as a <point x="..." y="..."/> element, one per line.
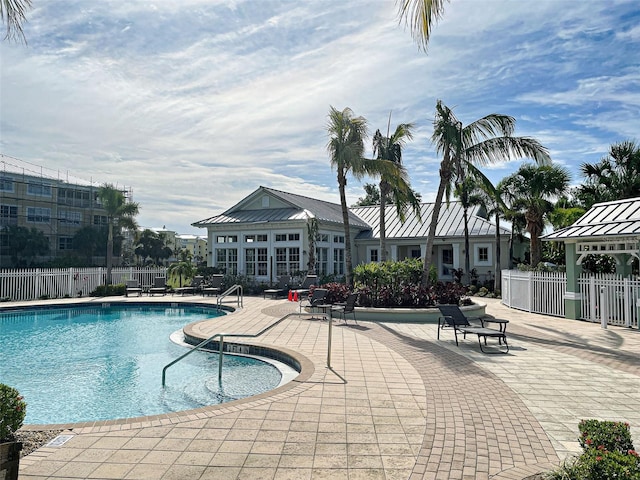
<point x="337" y="292"/>
<point x="12" y="412"/>
<point x="607" y="454"/>
<point x="108" y="290"/>
<point x="612" y="436"/>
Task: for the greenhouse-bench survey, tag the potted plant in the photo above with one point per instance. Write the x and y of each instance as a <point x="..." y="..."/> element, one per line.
<point x="12" y="412"/>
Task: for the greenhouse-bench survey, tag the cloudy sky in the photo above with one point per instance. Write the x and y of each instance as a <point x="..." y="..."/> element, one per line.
<point x="194" y="104"/>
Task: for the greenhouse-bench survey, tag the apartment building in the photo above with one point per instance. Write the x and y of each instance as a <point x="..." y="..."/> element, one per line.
<point x="58" y="206"/>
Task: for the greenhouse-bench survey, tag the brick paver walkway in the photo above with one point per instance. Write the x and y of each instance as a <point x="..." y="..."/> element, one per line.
<point x="395" y="404"/>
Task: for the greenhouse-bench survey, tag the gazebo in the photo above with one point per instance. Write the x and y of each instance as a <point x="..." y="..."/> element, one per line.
<point x="610" y="228"/>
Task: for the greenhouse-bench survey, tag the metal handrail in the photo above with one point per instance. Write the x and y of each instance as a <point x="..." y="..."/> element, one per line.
<point x="221" y="345"/>
<point x="234" y="288"/>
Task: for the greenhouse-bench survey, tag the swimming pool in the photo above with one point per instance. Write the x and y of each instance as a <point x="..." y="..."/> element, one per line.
<point x="105" y="362"/>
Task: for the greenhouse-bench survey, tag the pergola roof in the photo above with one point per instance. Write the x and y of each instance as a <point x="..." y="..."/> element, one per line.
<point x="609" y="220"/>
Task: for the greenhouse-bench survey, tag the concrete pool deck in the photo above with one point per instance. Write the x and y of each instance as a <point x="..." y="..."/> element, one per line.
<point x="396" y="404"/>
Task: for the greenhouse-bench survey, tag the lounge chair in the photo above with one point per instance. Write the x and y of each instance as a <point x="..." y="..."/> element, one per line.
<point x="159" y="286"/>
<point x="281" y="289"/>
<point x="196" y="285"/>
<point x="453" y="317"/>
<point x="316" y="299"/>
<point x="306" y="285"/>
<point x="132" y="286"/>
<point x="214" y="287"/>
<point x="346" y="308"/>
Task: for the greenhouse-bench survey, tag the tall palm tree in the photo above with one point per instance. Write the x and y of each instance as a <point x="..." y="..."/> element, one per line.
<point x="531" y="190"/>
<point x="490" y="199"/>
<point x="13" y="15"/>
<point x="420" y="15"/>
<point x="346" y="149"/>
<point x="393" y="187"/>
<point x="120" y="214"/>
<point x="485" y="141"/>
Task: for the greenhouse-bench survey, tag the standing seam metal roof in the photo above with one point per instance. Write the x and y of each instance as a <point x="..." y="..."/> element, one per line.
<point x="617" y="218"/>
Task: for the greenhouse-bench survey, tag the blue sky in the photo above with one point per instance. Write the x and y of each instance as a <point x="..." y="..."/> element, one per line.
<point x="194" y="104"/>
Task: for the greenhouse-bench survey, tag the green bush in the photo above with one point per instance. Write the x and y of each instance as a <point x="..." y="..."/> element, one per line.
<point x="612" y="436"/>
<point x="608" y="453"/>
<point x="109" y="290"/>
<point x="12" y="412"/>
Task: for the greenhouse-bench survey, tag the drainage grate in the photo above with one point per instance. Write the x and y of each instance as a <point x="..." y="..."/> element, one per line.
<point x="59" y="440"/>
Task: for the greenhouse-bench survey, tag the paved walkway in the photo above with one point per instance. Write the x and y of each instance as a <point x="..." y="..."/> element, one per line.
<point x="395" y="404"/>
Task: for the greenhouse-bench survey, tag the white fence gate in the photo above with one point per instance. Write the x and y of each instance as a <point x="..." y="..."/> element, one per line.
<point x="68" y="282"/>
<point x="610" y="296"/>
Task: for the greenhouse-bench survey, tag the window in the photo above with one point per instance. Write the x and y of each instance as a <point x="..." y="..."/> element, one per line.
<point x="482" y="254"/>
<point x="6" y="184"/>
<point x="294" y="237"/>
<point x="322" y="237"/>
<point x="338" y="261"/>
<point x="416" y="253"/>
<point x="287" y="260"/>
<point x="8" y="215"/>
<point x="249" y="239"/>
<point x="281" y="237"/>
<point x="227" y="260"/>
<point x="220" y="239"/>
<point x="232" y="239"/>
<point x="100" y="220"/>
<point x="72" y="218"/>
<point x="373" y="255"/>
<point x="39" y="189"/>
<point x="447" y="261"/>
<point x="322" y="260"/>
<point x="38" y="215"/>
<point x="261" y="238"/>
<point x="65" y="243"/>
<point x="256" y="261"/>
<point x="338" y="239"/>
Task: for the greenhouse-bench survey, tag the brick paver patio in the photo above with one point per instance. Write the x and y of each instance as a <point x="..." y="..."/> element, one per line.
<point x="395" y="404"/>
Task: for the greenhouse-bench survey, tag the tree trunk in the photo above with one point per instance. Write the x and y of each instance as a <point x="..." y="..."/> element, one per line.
<point x="342" y="183"/>
<point x="498" y="278"/>
<point x="445" y="177"/>
<point x="535" y="226"/>
<point x="467" y="263"/>
<point x="383" y="226"/>
<point x="109" y="252"/>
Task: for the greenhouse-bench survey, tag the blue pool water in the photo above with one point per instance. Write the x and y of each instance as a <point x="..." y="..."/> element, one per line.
<point x="102" y="363"/>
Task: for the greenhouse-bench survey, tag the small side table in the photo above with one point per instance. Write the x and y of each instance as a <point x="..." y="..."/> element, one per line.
<point x="502" y="325"/>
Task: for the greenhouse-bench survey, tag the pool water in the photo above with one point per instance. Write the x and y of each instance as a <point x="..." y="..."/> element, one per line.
<point x="101" y="363"/>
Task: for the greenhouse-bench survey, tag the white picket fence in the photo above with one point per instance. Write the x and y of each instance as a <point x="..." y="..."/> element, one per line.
<point x="68" y="282"/>
<point x="612" y="296"/>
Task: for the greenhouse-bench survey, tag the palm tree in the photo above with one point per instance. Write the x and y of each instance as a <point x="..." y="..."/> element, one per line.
<point x="485" y="141"/>
<point x="13" y="15"/>
<point x="420" y="15"/>
<point x="346" y="149"/>
<point x="490" y="199"/>
<point x="615" y="177"/>
<point x="120" y="214"/>
<point x="393" y="187"/>
<point x="531" y="190"/>
<point x="183" y="269"/>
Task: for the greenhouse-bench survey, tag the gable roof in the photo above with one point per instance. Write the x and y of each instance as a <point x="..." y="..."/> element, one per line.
<point x="609" y="219"/>
<point x="297" y="207"/>
<point x="450" y="222"/>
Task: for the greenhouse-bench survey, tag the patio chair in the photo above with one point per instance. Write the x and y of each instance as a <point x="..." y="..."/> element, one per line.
<point x="454" y="318"/>
<point x="132" y="286"/>
<point x="214" y="287"/>
<point x="346" y="308"/>
<point x="159" y="286"/>
<point x="316" y="299"/>
<point x="281" y="289"/>
<point x="196" y="285"/>
<point x="306" y="285"/>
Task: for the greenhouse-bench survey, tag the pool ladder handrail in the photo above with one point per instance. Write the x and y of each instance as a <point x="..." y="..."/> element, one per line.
<point x="221" y="345"/>
<point x="234" y="288"/>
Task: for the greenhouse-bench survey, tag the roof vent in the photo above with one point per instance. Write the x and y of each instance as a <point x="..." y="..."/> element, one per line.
<point x="265" y="201"/>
